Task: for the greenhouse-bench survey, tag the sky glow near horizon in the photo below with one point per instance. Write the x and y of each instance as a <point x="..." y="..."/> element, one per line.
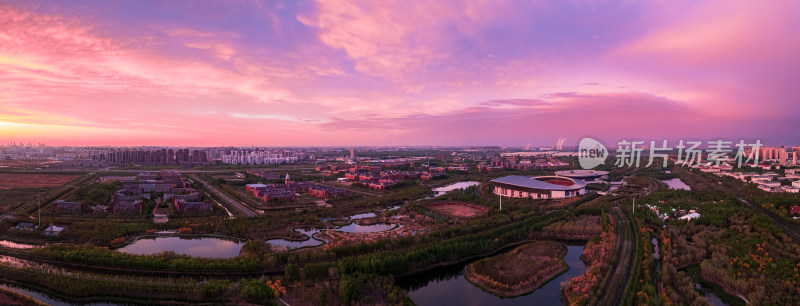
<point x="295" y="73"/>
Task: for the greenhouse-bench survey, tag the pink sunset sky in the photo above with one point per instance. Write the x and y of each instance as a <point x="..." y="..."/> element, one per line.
<point x="294" y="73"/>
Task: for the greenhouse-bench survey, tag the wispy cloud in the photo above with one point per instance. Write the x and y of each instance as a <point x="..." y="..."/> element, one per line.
<point x="406" y="72"/>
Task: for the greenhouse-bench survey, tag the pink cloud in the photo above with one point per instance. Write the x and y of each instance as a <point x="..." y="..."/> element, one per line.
<point x="395" y="72"/>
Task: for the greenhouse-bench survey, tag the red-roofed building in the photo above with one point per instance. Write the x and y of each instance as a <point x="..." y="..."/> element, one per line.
<point x="795" y="212"/>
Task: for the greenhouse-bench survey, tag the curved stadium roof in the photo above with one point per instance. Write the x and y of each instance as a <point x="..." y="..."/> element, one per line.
<point x="538" y="182"/>
<point x="581" y="173"/>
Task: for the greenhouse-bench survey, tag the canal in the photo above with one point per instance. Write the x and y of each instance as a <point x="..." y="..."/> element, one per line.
<point x="447" y="286"/>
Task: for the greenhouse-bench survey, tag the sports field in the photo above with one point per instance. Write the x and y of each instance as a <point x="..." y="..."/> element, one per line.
<point x="458" y="209"/>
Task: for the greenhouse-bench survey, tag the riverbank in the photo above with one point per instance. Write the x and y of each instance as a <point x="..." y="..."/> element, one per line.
<point x="520" y="271"/>
<point x="447" y="285"/>
<point x="8" y="297"/>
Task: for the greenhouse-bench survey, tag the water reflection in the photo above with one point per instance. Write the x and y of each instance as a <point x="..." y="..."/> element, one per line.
<point x="373" y="228"/>
<point x="14" y="262"/>
<point x="292" y="245"/>
<point x="362" y="216"/>
<point x="459" y="185"/>
<point x="49" y="299"/>
<point x="447" y="286"/>
<point x="16" y="245"/>
<point x="677" y="184"/>
<point x="654" y="241"/>
<point x="197" y="247"/>
<point x="710" y="297"/>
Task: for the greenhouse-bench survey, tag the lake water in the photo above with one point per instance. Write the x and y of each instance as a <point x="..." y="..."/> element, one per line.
<point x="677" y="184"/>
<point x="292" y="245"/>
<point x="49" y="299"/>
<point x="362" y="216"/>
<point x="712" y="298"/>
<point x="16" y="245"/>
<point x="654" y="241"/>
<point x="447" y="286"/>
<point x="15" y="262"/>
<point x="196" y="247"/>
<point x="459" y="185"/>
<point x="374" y="228"/>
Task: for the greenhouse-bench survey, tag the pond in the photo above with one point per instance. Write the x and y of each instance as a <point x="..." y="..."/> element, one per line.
<point x="677" y="184"/>
<point x="654" y="241"/>
<point x="296" y="244"/>
<point x="459" y="185"/>
<point x="362" y="216"/>
<point x="712" y="298"/>
<point x="196" y="247"/>
<point x="447" y="286"/>
<point x="15" y="262"/>
<point x="373" y="228"/>
<point x="16" y="245"/>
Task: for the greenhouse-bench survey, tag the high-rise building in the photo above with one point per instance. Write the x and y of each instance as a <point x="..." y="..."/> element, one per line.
<point x="353" y="155"/>
<point x="795" y="154"/>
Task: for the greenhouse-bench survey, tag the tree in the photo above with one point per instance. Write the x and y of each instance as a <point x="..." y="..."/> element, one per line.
<point x="322" y="298"/>
<point x="255" y="290"/>
<point x="348" y="290"/>
<point x="292" y="273"/>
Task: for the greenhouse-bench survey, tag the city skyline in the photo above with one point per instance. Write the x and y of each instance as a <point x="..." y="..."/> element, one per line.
<point x="396" y="73"/>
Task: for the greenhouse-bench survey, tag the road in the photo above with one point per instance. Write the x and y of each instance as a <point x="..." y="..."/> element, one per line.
<point x="108" y="169"/>
<point x="631" y="235"/>
<point x="629" y="265"/>
<point x="792" y="232"/>
<point x="233" y="203"/>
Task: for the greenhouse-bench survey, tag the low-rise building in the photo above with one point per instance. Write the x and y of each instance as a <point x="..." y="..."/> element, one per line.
<point x="192" y="207"/>
<point x="267" y="175"/>
<point x="430" y="175"/>
<point x="99" y="209"/>
<point x="53" y="231"/>
<point x="170" y="175"/>
<point x="67" y="207"/>
<point x="157" y="186"/>
<point x="147" y="176"/>
<point x="790" y="189"/>
<point x="25" y="226"/>
<point x="322" y="191"/>
<point x="689" y="216"/>
<point x="795" y="212"/>
<point x="128" y="207"/>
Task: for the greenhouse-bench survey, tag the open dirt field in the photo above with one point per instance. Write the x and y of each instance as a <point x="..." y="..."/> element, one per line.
<point x="30" y="180"/>
<point x="20" y="164"/>
<point x="458" y="209"/>
<point x="9" y="197"/>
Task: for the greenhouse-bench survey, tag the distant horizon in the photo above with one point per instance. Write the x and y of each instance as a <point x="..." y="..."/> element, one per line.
<point x="567" y="144"/>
